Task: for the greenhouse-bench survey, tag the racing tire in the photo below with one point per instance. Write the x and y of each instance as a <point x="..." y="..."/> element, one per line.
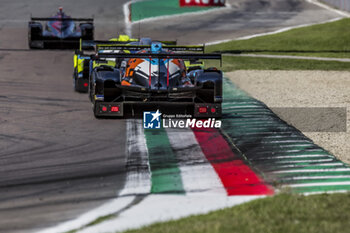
<point x="34" y="36"/>
<point x="75" y="79"/>
<point x="35" y="44"/>
<point x="78" y="86"/>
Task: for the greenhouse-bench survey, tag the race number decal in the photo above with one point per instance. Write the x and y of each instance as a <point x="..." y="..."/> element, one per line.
<point x="202" y="2"/>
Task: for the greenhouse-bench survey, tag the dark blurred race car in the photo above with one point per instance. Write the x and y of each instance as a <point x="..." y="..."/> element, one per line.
<point x="59" y="31"/>
<point x="156" y="78"/>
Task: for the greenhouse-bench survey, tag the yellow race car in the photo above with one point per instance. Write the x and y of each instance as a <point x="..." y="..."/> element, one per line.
<point x="82" y="60"/>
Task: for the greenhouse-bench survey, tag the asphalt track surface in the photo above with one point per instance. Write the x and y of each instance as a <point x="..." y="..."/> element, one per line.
<point x="56" y="160"/>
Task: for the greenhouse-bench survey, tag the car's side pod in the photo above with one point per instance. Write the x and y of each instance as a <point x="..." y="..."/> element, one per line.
<point x="103" y="81"/>
<point x="211" y="82"/>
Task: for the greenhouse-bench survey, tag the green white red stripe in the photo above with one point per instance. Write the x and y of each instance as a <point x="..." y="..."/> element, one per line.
<point x="236" y="176"/>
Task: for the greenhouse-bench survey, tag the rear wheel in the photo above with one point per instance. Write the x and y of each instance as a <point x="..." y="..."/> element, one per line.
<point x="33" y="44"/>
<point x="76" y="86"/>
<point x="75" y="79"/>
<point x="29" y="39"/>
<point x="34" y="36"/>
<point x="80" y="85"/>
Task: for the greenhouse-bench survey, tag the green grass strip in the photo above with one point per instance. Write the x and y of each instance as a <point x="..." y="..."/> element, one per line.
<point x="231" y="63"/>
<point x="331" y="37"/>
<point x="310" y="54"/>
<point x="322" y="40"/>
<point x="154" y="8"/>
<point x="166" y="175"/>
<point x="314" y="181"/>
<point x="328" y="188"/>
<point x="282" y="213"/>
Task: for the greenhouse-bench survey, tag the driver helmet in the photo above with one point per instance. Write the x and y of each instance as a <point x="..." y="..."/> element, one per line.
<point x="124" y="38"/>
<point x="60" y="11"/>
<point x="156" y="47"/>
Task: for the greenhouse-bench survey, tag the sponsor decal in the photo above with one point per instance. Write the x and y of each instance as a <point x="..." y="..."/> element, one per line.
<point x="202" y="3"/>
<point x="153" y="120"/>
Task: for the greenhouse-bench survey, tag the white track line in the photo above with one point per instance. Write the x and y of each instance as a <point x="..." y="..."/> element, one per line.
<point x="317" y="3"/>
<point x="197" y="175"/>
<point x="128" y="26"/>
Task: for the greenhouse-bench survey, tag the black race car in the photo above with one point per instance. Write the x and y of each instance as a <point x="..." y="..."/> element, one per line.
<point x="59" y="31"/>
<point x="82" y="63"/>
<point x="155" y="78"/>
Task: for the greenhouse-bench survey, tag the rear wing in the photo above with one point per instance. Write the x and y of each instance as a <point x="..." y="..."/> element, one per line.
<point x="90" y="44"/>
<point x="60" y="19"/>
<point x="177" y="48"/>
<point x="166" y="42"/>
<point x="192" y="57"/>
